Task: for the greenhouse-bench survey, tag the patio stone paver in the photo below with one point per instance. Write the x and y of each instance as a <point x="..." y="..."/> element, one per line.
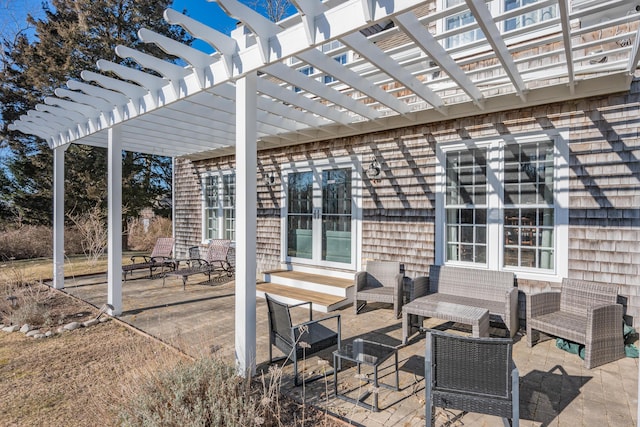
<point x="555" y="389"/>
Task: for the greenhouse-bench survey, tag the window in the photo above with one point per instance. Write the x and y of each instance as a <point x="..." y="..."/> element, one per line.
<point x="466" y="206"/>
<point x="219" y="207"/>
<point x="529" y="18"/>
<point x="341" y="59"/>
<point x="459" y="20"/>
<point x="307" y="71"/>
<point x="528" y="198"/>
<point x="503" y="205"/>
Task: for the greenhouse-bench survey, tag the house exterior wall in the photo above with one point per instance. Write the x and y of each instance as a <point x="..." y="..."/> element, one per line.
<point x="398" y="210"/>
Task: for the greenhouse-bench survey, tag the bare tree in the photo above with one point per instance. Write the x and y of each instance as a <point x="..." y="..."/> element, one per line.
<point x="275" y="10"/>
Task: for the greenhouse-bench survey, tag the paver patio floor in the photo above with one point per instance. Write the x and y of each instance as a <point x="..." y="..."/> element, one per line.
<point x="555" y="389"/>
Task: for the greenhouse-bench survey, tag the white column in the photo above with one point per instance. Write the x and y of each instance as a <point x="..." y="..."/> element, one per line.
<point x="114" y="219"/>
<point x="246" y="165"/>
<point x="58" y="216"/>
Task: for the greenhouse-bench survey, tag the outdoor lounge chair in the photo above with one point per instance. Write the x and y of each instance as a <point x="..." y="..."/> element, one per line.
<point x="583" y="312"/>
<point x="381" y="281"/>
<point x="472" y="375"/>
<point x="161" y="257"/>
<point x="288" y="337"/>
<point x="215" y="261"/>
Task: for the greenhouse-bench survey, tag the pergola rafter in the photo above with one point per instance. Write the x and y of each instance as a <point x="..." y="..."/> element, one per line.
<point x="294" y="106"/>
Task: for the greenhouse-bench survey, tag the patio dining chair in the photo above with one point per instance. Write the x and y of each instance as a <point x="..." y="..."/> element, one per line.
<point x="215" y="261"/>
<point x="471" y="375"/>
<point x="161" y="257"/>
<point x="302" y="339"/>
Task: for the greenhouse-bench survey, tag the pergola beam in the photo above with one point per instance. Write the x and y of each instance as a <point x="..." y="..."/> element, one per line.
<point x="568" y="52"/>
<point x="494" y="38"/>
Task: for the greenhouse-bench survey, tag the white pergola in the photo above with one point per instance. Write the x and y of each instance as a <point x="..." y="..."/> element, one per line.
<point x="278" y="84"/>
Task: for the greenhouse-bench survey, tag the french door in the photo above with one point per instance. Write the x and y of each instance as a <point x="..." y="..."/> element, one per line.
<point x="320" y="220"/>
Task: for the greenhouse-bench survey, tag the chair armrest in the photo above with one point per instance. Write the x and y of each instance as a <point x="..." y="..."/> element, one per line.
<point x="542" y="303"/>
<point x="360" y="280"/>
<point x="604" y="320"/>
<point x="399" y="286"/>
<point x="321" y="320"/>
<point x="305" y="303"/>
<point x="146" y="258"/>
<point x="420" y="287"/>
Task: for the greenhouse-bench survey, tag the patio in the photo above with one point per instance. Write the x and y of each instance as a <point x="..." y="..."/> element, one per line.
<point x="555" y="390"/>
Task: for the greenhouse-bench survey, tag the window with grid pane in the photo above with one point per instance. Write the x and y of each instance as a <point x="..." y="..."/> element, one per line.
<point x="460" y="20"/>
<point x="466" y="206"/>
<point x="529" y="205"/>
<point x="219" y="213"/>
<point x="528" y="18"/>
<point x="211" y="207"/>
<point x="229" y="206"/>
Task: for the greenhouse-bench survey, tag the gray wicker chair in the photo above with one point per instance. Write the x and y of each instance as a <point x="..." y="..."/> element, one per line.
<point x="472" y="375"/>
<point x="381" y="281"/>
<point x="583" y="312"/>
<point x="287" y="337"/>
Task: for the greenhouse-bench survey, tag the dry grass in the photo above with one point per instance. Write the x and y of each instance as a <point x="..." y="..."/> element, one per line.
<point x="110" y="375"/>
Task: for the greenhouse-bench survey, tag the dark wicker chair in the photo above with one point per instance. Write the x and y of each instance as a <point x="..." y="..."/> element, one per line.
<point x="287" y="337"/>
<point x="583" y="312"/>
<point x="472" y="375"/>
<point x="215" y="261"/>
<point x="381" y="281"/>
<point x="161" y="257"/>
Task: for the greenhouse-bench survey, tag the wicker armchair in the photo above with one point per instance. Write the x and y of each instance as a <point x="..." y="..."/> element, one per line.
<point x="583" y="312"/>
<point x="381" y="281"/>
<point x="288" y="337"/>
<point x="471" y="374"/>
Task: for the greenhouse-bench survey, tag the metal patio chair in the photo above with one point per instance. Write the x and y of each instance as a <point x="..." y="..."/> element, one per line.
<point x="288" y="338"/>
<point x="472" y="375"/>
<point x="161" y="257"/>
<point x="215" y="261"/>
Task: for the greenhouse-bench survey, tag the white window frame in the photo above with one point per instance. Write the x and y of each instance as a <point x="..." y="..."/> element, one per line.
<point x="497" y="7"/>
<point x="495" y="205"/>
<point x="221" y="230"/>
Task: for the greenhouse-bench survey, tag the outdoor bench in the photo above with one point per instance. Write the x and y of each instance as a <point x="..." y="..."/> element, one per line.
<point x="467" y="288"/>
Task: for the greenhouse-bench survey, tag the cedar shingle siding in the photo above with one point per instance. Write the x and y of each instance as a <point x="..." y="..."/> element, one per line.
<point x="399" y="209"/>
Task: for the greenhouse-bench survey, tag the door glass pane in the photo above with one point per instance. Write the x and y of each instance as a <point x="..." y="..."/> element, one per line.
<point x="300" y="215"/>
<point x="336" y="215"/>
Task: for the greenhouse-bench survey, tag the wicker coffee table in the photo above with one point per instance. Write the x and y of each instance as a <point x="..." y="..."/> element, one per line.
<point x="364" y="352"/>
<point x="477" y="317"/>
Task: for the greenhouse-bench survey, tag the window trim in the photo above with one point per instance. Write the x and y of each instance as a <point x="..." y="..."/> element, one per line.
<point x="220" y="219"/>
<point x="495" y="204"/>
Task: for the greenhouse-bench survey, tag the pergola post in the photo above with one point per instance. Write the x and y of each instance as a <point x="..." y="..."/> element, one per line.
<point x="114" y="219"/>
<point x="246" y="205"/>
<point x="58" y="216"/>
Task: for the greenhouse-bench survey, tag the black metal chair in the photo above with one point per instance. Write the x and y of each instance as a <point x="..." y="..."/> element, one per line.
<point x="472" y="375"/>
<point x="289" y="338"/>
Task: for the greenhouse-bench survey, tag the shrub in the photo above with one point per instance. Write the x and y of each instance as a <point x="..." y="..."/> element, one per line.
<point x="26" y="241"/>
<point x="140" y="239"/>
<point x="205" y="393"/>
<point x="92" y="227"/>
